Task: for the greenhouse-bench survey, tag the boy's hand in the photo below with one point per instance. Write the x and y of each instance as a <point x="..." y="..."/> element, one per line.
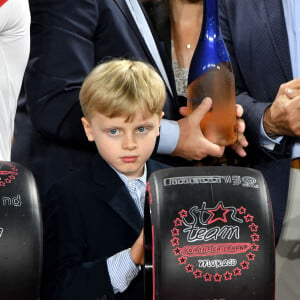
<point x="137" y="250"/>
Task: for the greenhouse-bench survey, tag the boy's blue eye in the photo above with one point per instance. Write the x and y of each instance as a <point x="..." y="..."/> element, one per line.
<point x="113" y="131"/>
<point x="141" y="129"/>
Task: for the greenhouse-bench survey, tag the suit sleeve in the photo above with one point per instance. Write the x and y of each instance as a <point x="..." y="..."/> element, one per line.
<point x="64" y="247"/>
<point x="253" y="108"/>
<point x="62" y="54"/>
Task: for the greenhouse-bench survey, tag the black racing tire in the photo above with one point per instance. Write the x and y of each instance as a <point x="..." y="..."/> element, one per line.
<point x="20" y="234"/>
<point x="208" y="235"/>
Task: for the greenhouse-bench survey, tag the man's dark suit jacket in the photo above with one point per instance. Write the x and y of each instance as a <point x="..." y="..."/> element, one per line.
<point x="257" y="41"/>
<point x="90" y="216"/>
<point x="256" y="38"/>
<point x="69" y="38"/>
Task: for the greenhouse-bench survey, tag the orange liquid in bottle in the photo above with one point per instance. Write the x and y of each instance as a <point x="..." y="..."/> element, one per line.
<point x="219" y="124"/>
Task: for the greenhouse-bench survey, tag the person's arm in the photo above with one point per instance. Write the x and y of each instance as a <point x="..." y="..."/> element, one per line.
<point x="192" y="144"/>
<point x="67" y="273"/>
<point x="282" y="117"/>
<point x="254" y="109"/>
<point x="62" y="54"/>
<point x="14" y="53"/>
<point x="124" y="266"/>
<point x="122" y="270"/>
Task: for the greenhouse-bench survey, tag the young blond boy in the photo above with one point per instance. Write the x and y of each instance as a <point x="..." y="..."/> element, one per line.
<point x="94" y="219"/>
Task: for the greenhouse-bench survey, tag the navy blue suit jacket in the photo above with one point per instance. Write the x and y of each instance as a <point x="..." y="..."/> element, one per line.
<point x="257" y="41"/>
<point x="69" y="38"/>
<point x="89" y="217"/>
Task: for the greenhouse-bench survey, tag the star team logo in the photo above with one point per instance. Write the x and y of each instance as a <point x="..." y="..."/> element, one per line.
<point x="215" y="244"/>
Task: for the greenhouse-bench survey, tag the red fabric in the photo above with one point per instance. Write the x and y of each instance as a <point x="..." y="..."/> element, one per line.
<point x="2" y="2"/>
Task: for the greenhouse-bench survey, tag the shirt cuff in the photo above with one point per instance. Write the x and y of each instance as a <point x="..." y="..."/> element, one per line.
<point x="122" y="270"/>
<point x="169" y="136"/>
<point x="265" y="140"/>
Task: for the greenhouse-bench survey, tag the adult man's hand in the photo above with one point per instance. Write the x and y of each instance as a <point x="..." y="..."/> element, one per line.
<point x="241" y="141"/>
<point x="192" y="144"/>
<point x="283" y="116"/>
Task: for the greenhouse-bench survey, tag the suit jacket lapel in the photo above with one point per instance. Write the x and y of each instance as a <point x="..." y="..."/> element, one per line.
<point x="116" y="194"/>
<point x="125" y="10"/>
<point x="274" y="16"/>
<point x="166" y="60"/>
<point x="122" y="203"/>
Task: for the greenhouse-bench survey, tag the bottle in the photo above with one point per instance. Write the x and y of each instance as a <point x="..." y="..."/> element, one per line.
<point x="210" y="75"/>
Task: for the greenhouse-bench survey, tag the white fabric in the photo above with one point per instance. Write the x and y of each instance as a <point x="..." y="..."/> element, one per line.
<point x="14" y="52"/>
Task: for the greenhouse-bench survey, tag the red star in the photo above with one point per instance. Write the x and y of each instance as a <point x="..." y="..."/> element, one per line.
<point x="174" y="241"/>
<point x="237" y="271"/>
<point x="250" y="256"/>
<point x="207" y="277"/>
<point x="183" y="213"/>
<point x="241" y="210"/>
<point x="248" y="218"/>
<point x="178" y="222"/>
<point x="215" y="218"/>
<point x="218" y="277"/>
<point x="182" y="260"/>
<point x="177" y="251"/>
<point x="254" y="247"/>
<point x="244" y="265"/>
<point x="189" y="268"/>
<point x="175" y="231"/>
<point x="197" y="273"/>
<point x="253" y="227"/>
<point x="255" y="237"/>
<point x="228" y="276"/>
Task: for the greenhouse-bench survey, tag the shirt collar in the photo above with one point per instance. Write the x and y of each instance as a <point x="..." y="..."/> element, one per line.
<point x="126" y="180"/>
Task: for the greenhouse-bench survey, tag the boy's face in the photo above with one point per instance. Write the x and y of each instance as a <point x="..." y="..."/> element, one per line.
<point x="124" y="145"/>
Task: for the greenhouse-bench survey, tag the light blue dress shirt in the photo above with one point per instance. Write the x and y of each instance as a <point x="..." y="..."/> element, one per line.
<point x="292" y="19"/>
<point x="121" y="268"/>
<point x="291" y="10"/>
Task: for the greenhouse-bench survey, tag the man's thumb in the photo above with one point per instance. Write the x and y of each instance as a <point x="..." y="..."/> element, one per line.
<point x="203" y="108"/>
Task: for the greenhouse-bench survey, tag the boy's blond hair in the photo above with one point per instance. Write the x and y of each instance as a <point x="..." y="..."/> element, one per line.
<point x="121" y="87"/>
